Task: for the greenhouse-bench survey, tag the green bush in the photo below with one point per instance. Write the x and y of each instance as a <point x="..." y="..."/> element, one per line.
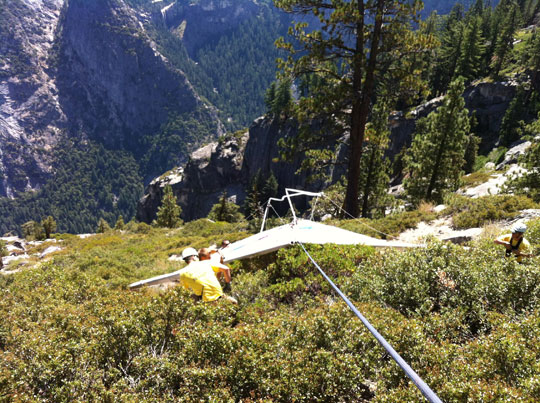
<point x="389" y="226"/>
<point x="465" y="319"/>
<point x="469" y="213"/>
<point x="533" y="235"/>
<point x="457" y="285"/>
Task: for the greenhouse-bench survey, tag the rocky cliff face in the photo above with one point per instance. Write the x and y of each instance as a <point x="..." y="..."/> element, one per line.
<point x="229" y="165"/>
<point x="86" y="69"/>
<point x="203" y="21"/>
<point x="30" y="113"/>
<point x="125" y="89"/>
<point x="488" y="102"/>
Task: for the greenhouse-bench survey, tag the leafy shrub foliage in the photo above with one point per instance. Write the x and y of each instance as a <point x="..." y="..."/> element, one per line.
<point x="466" y="320"/>
<point x="476" y="212"/>
<point x="391" y="225"/>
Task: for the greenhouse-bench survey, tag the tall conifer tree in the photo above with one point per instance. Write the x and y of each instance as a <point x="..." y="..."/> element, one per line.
<point x="470" y="55"/>
<point x="508" y="18"/>
<point x="168" y="214"/>
<point x="436" y="157"/>
<point x="375" y="167"/>
<point x="353" y="50"/>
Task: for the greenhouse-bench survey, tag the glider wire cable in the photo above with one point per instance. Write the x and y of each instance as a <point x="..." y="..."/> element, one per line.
<point x="420" y="384"/>
<point x="356" y="218"/>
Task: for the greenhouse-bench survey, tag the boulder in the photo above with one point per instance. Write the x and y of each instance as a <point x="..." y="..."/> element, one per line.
<point x="494" y="184"/>
<point x="513" y="154"/>
<point x="461" y="237"/>
<point x="49" y="250"/>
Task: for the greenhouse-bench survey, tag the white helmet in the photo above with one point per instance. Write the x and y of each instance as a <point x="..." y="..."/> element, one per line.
<point x="519" y="228"/>
<point x="188" y="252"/>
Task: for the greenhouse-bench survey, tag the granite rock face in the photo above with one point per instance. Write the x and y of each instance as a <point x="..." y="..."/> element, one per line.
<point x="211" y="170"/>
<point x="126" y="89"/>
<point x="230" y="165"/>
<point x="488" y="101"/>
<point x="84" y="69"/>
<point x="30" y="113"/>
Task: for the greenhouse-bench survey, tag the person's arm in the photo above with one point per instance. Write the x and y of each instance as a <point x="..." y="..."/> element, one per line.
<point x="227" y="273"/>
<point x="506" y="244"/>
<point x="524" y="249"/>
<point x="222" y="269"/>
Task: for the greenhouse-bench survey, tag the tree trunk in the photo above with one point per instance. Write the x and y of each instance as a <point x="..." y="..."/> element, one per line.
<point x="361" y="103"/>
<point x="367" y="188"/>
<point x="435" y="173"/>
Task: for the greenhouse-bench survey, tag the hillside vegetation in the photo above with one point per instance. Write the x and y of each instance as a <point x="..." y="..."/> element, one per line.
<point x="465" y="319"/>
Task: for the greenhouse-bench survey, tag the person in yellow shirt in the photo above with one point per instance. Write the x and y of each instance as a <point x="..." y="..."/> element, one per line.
<point x="200" y="276"/>
<point x="515" y="243"/>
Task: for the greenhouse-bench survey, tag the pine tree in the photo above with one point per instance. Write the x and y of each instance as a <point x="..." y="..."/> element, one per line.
<point x="33" y="230"/>
<point x="478" y="8"/>
<point x="120" y="225"/>
<point x="355" y="46"/>
<point x="374" y="179"/>
<point x="448" y="56"/>
<point x="49" y="226"/>
<point x="512" y="120"/>
<point x="471" y="152"/>
<point x="270" y="188"/>
<point x="436" y="157"/>
<point x="103" y="226"/>
<point x="270" y="98"/>
<point x="470" y="57"/>
<point x="504" y="41"/>
<point x="168" y="214"/>
<point x="283" y="99"/>
<point x="532" y="58"/>
<point x="225" y="210"/>
<point x="254" y="203"/>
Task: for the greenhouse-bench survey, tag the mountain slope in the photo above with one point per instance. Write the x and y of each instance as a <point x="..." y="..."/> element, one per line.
<point x="120" y="75"/>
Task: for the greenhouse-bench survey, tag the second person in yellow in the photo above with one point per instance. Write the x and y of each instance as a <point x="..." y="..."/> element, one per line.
<point x="200" y="276"/>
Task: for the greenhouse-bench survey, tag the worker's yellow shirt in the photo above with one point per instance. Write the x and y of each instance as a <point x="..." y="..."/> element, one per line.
<point x="524" y="247"/>
<point x="200" y="277"/>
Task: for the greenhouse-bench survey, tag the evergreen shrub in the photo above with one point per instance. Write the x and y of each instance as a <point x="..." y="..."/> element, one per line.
<point x="465" y="320"/>
<point x="469" y="213"/>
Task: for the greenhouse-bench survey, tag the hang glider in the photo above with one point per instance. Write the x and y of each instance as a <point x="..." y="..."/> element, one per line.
<point x="298" y="231"/>
<point x="301" y="231"/>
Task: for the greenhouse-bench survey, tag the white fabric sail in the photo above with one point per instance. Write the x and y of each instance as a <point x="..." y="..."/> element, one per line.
<point x="304" y="231"/>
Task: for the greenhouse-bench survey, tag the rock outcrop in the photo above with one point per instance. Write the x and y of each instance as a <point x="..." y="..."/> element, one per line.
<point x="126" y="89"/>
<point x="211" y="170"/>
<point x="87" y="69"/>
<point x="30" y="113"/>
<point x="488" y="102"/>
<point x="228" y="166"/>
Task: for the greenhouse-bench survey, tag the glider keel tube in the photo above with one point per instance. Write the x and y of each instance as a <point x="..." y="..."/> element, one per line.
<point x="164" y="278"/>
<point x="420" y="384"/>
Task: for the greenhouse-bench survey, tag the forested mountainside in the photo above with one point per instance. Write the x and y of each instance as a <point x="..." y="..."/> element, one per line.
<point x="475" y="71"/>
<point x="232" y="164"/>
<point x="143" y="83"/>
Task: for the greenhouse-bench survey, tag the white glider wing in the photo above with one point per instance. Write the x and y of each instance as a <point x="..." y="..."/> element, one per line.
<point x="304" y="231"/>
<point x="164" y="278"/>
